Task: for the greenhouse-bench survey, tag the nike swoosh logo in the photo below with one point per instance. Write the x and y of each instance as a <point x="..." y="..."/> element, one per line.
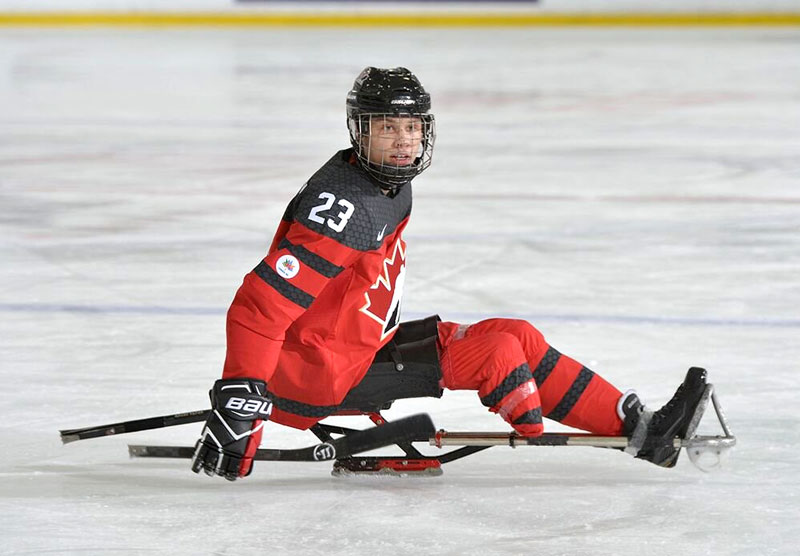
<point x="380" y="235"/>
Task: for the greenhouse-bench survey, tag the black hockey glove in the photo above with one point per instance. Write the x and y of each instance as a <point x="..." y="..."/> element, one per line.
<point x="232" y="433"/>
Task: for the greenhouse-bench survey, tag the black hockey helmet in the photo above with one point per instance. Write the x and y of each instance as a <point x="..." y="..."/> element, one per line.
<point x="390" y="99"/>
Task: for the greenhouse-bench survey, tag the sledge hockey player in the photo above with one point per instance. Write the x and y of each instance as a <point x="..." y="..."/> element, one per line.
<point x="315" y="328"/>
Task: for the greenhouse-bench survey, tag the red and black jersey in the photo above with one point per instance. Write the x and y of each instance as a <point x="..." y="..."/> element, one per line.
<point x="311" y="316"/>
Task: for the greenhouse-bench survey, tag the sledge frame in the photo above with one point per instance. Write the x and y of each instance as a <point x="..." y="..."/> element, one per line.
<point x="699" y="448"/>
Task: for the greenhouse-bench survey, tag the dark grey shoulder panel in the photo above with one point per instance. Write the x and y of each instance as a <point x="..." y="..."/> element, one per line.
<point x="340" y="202"/>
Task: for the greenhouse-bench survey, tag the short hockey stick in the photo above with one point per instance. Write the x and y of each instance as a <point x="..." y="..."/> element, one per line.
<point x="408" y="429"/>
<point x="71" y="435"/>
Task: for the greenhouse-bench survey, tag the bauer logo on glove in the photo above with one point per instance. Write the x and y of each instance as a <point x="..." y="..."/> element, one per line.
<point x="232" y="432"/>
<point x="252" y="406"/>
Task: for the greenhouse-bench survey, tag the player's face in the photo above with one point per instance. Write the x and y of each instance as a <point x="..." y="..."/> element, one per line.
<point x="394" y="141"/>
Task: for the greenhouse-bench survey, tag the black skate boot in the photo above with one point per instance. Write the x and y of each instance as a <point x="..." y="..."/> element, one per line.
<point x="652" y="434"/>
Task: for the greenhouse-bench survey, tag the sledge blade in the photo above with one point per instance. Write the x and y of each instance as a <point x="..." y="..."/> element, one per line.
<point x="408" y="429"/>
<point x="387" y="467"/>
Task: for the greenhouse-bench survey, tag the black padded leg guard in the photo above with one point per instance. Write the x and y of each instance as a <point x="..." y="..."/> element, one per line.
<point x="406" y="367"/>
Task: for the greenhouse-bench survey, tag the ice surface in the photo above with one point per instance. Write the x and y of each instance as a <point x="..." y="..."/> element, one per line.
<point x="634" y="193"/>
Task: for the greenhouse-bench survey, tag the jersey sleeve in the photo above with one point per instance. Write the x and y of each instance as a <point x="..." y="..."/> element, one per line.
<point x="288" y="280"/>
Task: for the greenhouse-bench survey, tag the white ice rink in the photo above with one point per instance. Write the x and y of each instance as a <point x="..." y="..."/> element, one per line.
<point x="634" y="193"/>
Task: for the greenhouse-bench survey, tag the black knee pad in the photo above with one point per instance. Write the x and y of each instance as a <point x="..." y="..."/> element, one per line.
<point x="415" y="330"/>
<point x="406" y="367"/>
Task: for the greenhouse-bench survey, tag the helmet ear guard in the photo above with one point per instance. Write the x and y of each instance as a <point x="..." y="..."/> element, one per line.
<point x="389" y="94"/>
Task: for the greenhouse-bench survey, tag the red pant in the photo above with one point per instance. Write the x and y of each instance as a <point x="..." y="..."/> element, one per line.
<point x="518" y="375"/>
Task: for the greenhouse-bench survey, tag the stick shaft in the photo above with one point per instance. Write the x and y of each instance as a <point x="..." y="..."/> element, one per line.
<point x="71" y="435"/>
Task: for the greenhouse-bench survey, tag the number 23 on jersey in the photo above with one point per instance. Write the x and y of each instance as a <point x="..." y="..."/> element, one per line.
<point x="338" y="222"/>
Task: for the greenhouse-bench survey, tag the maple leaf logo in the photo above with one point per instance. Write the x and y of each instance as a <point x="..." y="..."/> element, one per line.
<point x="384" y="297"/>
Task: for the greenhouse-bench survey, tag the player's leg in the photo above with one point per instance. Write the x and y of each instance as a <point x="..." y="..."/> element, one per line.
<point x="494" y="364"/>
<point x="570" y="393"/>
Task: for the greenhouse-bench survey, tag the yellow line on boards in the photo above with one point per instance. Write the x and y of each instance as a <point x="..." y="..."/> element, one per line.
<point x="400" y="19"/>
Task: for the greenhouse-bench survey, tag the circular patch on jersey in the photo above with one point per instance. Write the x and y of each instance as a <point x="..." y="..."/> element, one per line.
<point x="287" y="266"/>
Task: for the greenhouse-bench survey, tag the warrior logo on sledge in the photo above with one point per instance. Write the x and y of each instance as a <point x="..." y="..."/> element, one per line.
<point x="324" y="452"/>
